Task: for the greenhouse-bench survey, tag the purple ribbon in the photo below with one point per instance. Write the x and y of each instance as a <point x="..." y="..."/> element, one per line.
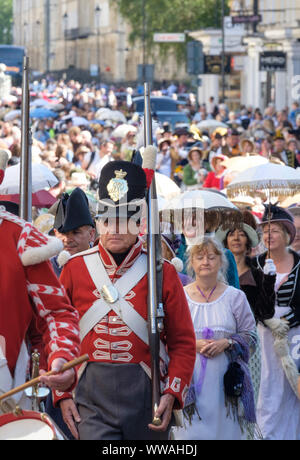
<point x="206" y="334"/>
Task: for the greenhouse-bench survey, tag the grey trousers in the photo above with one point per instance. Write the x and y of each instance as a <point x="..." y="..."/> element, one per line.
<point x="114" y="403"/>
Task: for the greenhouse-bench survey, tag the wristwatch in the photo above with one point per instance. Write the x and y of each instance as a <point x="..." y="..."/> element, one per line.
<point x="230" y="341"/>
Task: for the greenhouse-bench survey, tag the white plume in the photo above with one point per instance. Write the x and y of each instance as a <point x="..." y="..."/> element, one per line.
<point x="63" y="258"/>
<point x="177" y="263"/>
<point x="149" y="157"/>
<point x="140" y="135"/>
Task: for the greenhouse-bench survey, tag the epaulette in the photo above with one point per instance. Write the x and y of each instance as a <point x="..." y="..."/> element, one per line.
<point x="65" y="256"/>
<point x="33" y="246"/>
<point x="176" y="262"/>
<point x="4" y="215"/>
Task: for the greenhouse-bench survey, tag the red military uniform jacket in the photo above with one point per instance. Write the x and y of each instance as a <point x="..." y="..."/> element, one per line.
<point x="111" y="340"/>
<point x="29" y="289"/>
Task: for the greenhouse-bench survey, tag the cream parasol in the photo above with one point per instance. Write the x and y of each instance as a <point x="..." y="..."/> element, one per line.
<point x="275" y="180"/>
<point x="291" y="200"/>
<point x="241" y="163"/>
<point x="211" y="206"/>
<point x="166" y="187"/>
<point x="122" y="130"/>
<point x="211" y="125"/>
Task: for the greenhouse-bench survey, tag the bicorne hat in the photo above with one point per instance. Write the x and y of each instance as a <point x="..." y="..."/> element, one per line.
<point x="10" y="206"/>
<point x="280" y="215"/>
<point x="122" y="189"/>
<point x="73" y="212"/>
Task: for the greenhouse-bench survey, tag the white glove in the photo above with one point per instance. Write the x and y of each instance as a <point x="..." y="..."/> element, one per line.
<point x="269" y="267"/>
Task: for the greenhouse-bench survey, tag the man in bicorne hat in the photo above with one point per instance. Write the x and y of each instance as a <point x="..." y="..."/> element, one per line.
<point x="74" y="226"/>
<point x="108" y="286"/>
<point x="29" y="286"/>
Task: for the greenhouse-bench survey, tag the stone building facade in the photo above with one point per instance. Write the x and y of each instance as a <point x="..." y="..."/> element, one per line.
<point x="278" y="32"/>
<point x="82" y="34"/>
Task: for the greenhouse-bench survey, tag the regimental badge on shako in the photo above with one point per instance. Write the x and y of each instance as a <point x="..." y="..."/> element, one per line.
<point x="118" y="186"/>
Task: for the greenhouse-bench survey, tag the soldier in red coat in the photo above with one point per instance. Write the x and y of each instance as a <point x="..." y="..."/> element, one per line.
<point x="30" y="288"/>
<point x="108" y="286"/>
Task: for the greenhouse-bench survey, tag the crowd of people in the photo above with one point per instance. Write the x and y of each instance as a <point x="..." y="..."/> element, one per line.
<point x="229" y="353"/>
<point x="83" y="132"/>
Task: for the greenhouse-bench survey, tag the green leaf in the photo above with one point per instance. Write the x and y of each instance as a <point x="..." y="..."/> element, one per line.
<point x="149" y="16"/>
<point x="6" y="18"/>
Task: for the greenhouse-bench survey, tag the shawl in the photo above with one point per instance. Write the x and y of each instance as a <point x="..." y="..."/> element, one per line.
<point x="243" y="407"/>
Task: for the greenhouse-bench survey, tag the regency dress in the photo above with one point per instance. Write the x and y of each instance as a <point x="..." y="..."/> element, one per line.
<point x="278" y="407"/>
<point x="229" y="315"/>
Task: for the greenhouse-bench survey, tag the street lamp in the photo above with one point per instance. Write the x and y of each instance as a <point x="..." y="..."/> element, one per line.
<point x="223" y="52"/>
<point x="144" y="32"/>
<point x="25" y="33"/>
<point x="65" y="19"/>
<point x="255" y="13"/>
<point x="38" y="23"/>
<point x="98" y="11"/>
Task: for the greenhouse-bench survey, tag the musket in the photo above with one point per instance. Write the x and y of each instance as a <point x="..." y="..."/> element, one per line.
<point x="155" y="273"/>
<point x="25" y="166"/>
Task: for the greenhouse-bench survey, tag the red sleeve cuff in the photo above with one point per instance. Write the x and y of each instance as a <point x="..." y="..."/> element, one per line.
<point x="178" y="389"/>
<point x="58" y="396"/>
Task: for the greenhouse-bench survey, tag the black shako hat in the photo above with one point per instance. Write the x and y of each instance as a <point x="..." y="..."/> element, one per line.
<point x="122" y="189"/>
<point x="73" y="212"/>
<point x="280" y="215"/>
<point x="10" y="206"/>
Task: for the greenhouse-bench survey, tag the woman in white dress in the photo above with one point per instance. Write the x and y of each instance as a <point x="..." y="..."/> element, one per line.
<point x="278" y="407"/>
<point x="223" y="323"/>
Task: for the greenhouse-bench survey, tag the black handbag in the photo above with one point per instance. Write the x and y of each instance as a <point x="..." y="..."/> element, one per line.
<point x="233" y="380"/>
<point x="234" y="376"/>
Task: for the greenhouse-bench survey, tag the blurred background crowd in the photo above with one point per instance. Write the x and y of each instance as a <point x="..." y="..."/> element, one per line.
<point x="77" y="128"/>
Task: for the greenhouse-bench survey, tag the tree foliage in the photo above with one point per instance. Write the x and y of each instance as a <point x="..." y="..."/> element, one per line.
<point x="147" y="17"/>
<point x="6" y="18"/>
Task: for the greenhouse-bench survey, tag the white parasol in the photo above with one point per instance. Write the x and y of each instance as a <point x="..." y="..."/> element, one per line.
<point x="80" y="121"/>
<point x="166" y="187"/>
<point x="208" y="199"/>
<point x="240" y="163"/>
<point x="42" y="178"/>
<point x="211" y="125"/>
<point x="39" y="103"/>
<point x="242" y="201"/>
<point x="273" y="179"/>
<point x="217" y="208"/>
<point x="12" y="115"/>
<point x="113" y="115"/>
<point x="103" y="114"/>
<point x="291" y="200"/>
<point x="118" y="116"/>
<point x="122" y="130"/>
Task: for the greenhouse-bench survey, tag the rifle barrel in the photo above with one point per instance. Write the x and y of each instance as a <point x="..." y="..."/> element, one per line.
<point x="25" y="167"/>
<point x="153" y="248"/>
